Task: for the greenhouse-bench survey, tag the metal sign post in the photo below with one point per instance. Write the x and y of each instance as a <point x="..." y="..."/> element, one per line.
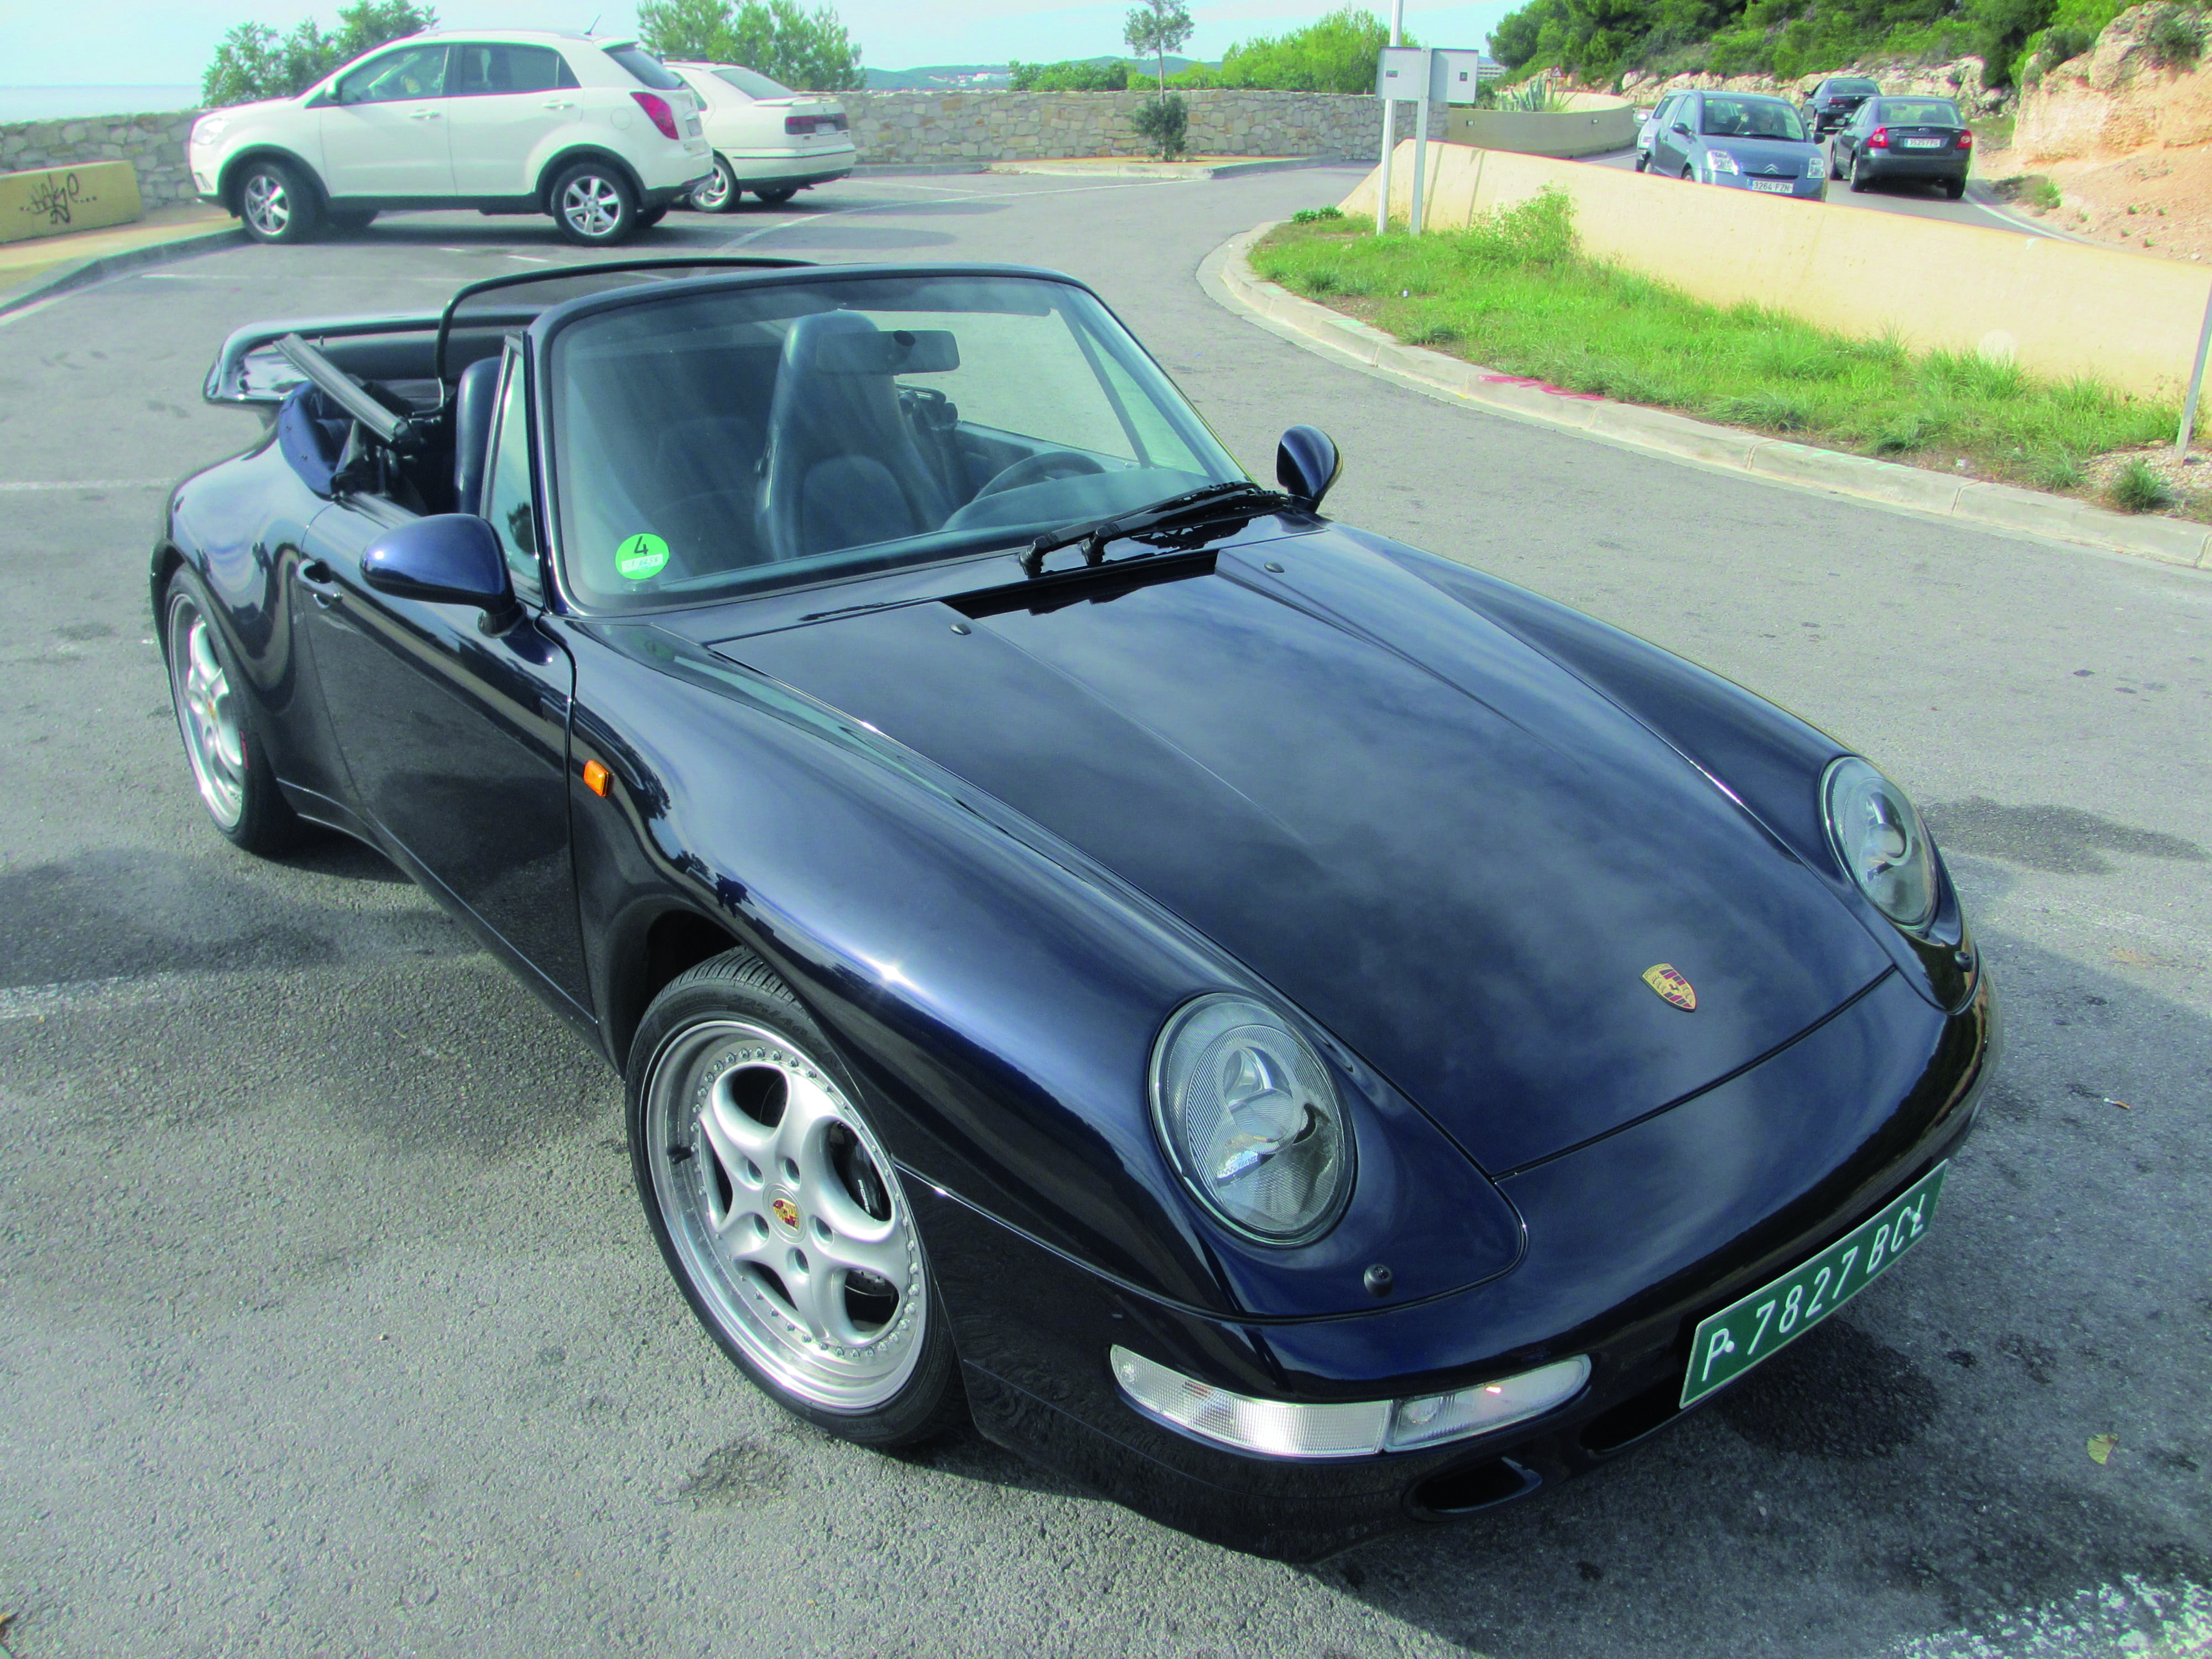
<point x="1421" y="149"/>
<point x="2196" y="384"/>
<point x="1392" y="68"/>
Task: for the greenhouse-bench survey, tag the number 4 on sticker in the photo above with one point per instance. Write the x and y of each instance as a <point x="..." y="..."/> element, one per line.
<point x="640" y="557"/>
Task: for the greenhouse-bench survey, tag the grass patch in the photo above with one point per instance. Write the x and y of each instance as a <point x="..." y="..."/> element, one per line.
<point x="1513" y="293"/>
<point x="2136" y="488"/>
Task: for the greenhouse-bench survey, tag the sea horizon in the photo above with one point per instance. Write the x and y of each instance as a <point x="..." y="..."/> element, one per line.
<point x="77" y="102"/>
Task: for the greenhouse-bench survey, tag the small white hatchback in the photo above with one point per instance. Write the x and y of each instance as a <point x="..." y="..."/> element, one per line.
<point x="597" y="133"/>
<point x="766" y="138"/>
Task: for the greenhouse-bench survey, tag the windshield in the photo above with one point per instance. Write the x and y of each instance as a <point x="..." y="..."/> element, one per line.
<point x="1753" y="117"/>
<point x="763" y="435"/>
<point x="1921" y="112"/>
<point x="752" y="85"/>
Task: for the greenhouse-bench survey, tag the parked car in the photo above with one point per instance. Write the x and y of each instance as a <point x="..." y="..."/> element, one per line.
<point x="594" y="132"/>
<point x="1923" y="139"/>
<point x="1301" y="1034"/>
<point x="1661" y="115"/>
<point x="766" y="138"/>
<point x="1744" y="140"/>
<point x="1830" y="104"/>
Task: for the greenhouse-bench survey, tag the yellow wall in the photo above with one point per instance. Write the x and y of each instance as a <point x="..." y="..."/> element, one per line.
<point x="57" y="200"/>
<point x="2060" y="308"/>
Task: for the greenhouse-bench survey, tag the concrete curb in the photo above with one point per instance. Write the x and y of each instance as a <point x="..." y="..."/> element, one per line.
<point x="1169" y="170"/>
<point x="915" y="169"/>
<point x="85" y="272"/>
<point x="1227" y="276"/>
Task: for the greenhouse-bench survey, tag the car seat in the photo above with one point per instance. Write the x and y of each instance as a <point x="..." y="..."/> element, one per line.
<point x="476" y="402"/>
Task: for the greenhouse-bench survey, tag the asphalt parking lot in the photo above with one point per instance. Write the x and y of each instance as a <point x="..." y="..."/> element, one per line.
<point x="329" y="1322"/>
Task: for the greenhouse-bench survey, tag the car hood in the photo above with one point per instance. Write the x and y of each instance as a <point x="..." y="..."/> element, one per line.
<point x="1457" y="856"/>
<point x="1755" y="156"/>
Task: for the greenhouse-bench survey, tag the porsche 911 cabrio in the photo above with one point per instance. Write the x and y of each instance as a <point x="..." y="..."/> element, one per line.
<point x="1300" y="1034"/>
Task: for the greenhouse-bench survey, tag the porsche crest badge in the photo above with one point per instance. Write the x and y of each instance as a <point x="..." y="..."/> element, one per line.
<point x="1662" y="977"/>
<point x="788" y="1212"/>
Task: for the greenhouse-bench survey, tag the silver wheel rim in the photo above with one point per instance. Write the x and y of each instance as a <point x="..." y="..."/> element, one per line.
<point x="268" y="207"/>
<point x="207" y="713"/>
<point x="716" y="191"/>
<point x="593" y="205"/>
<point x="783" y="1210"/>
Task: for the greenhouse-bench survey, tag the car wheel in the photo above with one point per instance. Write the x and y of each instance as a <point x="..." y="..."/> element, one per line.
<point x="595" y="205"/>
<point x="1857" y="176"/>
<point x="1690" y="172"/>
<point x="720" y="194"/>
<point x="1642" y="160"/>
<point x="777" y="197"/>
<point x="649" y="217"/>
<point x="276" y="204"/>
<point x="235" y="782"/>
<point x="780" y="1212"/>
<point x="1954" y="188"/>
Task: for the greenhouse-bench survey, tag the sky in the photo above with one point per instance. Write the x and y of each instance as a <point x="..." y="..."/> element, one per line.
<point x="168" y="42"/>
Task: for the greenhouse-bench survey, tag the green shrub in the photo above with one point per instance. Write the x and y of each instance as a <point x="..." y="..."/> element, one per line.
<point x="1538" y="97"/>
<point x="1315" y="215"/>
<point x="1336" y="54"/>
<point x="1165" y="120"/>
<point x="2136" y="488"/>
<point x="2176" y="39"/>
<point x="1075" y="76"/>
<point x="2045" y="196"/>
<point x="2059" y="470"/>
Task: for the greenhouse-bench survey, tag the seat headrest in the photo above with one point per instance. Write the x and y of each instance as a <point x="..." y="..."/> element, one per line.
<point x="476" y="401"/>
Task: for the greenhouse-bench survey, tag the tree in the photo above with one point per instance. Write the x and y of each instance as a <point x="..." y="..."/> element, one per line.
<point x="1081" y="75"/>
<point x="1336" y="54"/>
<point x="250" y="62"/>
<point x="1157" y="28"/>
<point x="810" y="51"/>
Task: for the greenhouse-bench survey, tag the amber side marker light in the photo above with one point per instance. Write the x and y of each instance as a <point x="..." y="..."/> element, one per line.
<point x="596" y="777"/>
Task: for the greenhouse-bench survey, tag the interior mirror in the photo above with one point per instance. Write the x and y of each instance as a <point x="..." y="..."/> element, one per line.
<point x="452" y="558"/>
<point x="1306" y="464"/>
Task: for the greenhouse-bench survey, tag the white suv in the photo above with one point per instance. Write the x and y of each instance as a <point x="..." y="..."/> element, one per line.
<point x="595" y="132"/>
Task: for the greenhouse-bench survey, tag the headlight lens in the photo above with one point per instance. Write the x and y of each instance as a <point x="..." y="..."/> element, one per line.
<point x="1719" y="160"/>
<point x="209" y="128"/>
<point x="1250" y="1119"/>
<point x="1879" y="839"/>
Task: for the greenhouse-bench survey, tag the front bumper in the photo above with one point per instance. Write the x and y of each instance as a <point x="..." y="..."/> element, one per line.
<point x="1631" y="1240"/>
<point x="1803" y="190"/>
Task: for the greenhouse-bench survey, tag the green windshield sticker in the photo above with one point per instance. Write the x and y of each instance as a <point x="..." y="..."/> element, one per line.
<point x="640" y="557"/>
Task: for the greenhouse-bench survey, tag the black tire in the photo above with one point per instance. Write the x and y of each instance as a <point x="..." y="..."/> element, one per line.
<point x="674" y="1048"/>
<point x="649" y="217"/>
<point x="351" y="221"/>
<point x="1954" y="188"/>
<point x="1690" y="173"/>
<point x="230" y="770"/>
<point x="276" y="202"/>
<point x="595" y="205"/>
<point x="1643" y="161"/>
<point x="1857" y="176"/>
<point x="777" y="197"/>
<point x="719" y="194"/>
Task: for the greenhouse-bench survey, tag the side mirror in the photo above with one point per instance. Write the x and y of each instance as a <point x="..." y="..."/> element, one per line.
<point x="1306" y="464"/>
<point x="452" y="558"/>
<point x="1682" y="129"/>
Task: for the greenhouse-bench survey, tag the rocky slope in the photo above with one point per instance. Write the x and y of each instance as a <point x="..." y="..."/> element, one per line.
<point x="1961" y="79"/>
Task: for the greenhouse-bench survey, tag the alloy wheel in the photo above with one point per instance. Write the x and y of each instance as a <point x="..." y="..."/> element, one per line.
<point x="714" y="194"/>
<point x="783" y="1210"/>
<point x="268" y="206"/>
<point x="591" y="205"/>
<point x="207" y="713"/>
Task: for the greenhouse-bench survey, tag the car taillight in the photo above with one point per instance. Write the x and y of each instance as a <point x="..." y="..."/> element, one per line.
<point x="657" y="112"/>
<point x="1966" y="141"/>
<point x="1878" y="139"/>
<point x="799" y="126"/>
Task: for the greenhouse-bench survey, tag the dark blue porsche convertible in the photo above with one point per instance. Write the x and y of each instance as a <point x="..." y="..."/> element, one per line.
<point x="1298" y="1033"/>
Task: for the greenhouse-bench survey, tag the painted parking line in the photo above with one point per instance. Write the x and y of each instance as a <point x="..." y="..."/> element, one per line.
<point x="90" y="483"/>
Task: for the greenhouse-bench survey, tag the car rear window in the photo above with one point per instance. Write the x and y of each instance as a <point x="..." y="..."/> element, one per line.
<point x="1753" y="117"/>
<point x="1852" y="86"/>
<point x="1921" y="112"/>
<point x="646" y="68"/>
<point x="751" y="83"/>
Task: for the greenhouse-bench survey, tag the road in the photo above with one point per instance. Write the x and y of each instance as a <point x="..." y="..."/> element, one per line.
<point x="1921" y="201"/>
<point x="329" y="1322"/>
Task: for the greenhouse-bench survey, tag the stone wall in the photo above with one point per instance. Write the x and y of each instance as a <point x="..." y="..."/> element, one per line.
<point x="919" y="129"/>
<point x="153" y="144"/>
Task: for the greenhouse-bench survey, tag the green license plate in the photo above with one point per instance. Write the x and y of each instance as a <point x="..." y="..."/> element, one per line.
<point x="1771" y="1318"/>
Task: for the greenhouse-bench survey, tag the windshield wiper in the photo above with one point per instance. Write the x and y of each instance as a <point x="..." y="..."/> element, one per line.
<point x="1095" y="536"/>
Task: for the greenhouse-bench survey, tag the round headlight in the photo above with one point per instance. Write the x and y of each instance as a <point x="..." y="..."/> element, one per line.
<point x="1879" y="840"/>
<point x="1250" y="1119"/>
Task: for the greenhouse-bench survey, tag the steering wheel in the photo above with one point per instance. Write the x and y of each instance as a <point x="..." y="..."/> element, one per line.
<point x="1036" y="468"/>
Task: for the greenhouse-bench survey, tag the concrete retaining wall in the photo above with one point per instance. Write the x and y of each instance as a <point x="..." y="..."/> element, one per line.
<point x="153" y="145"/>
<point x="2060" y="308"/>
<point x="909" y="129"/>
<point x="55" y="201"/>
<point x="1591" y="130"/>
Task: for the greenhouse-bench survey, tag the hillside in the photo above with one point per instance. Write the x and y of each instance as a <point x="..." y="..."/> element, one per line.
<point x="969" y="77"/>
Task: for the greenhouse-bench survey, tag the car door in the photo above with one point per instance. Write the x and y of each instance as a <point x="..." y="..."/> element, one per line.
<point x="1669" y="149"/>
<point x="1843" y="145"/>
<point x="456" y="739"/>
<point x="503" y="102"/>
<point x="383" y="127"/>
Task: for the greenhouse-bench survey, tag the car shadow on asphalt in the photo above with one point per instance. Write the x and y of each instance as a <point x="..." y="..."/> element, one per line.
<point x="1915" y="1469"/>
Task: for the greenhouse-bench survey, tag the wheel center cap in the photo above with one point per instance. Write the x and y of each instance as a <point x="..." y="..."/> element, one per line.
<point x="786" y="1211"/>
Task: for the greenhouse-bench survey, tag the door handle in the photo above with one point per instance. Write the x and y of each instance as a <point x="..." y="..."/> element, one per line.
<point x="315" y="576"/>
<point x="560" y="103"/>
<point x="422" y="115"/>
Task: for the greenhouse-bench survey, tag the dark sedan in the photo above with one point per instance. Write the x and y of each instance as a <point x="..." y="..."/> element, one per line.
<point x="1304" y="1036"/>
<point x="1831" y="103"/>
<point x="1922" y="140"/>
<point x="1745" y="141"/>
